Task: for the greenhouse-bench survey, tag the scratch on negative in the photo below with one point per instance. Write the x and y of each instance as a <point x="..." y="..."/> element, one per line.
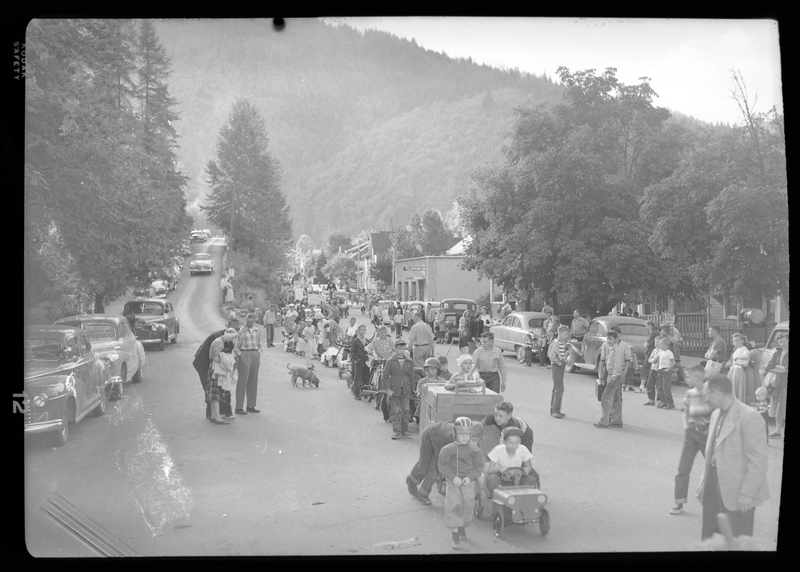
<point x="657" y="463"/>
<point x="265" y="447"/>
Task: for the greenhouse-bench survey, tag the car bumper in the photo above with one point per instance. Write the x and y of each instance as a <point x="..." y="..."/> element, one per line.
<point x="37" y="427"/>
<point x="150" y="341"/>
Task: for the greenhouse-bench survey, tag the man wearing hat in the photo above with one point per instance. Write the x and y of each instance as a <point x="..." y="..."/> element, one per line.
<point x="420" y="338"/>
<point x="398" y="382"/>
<point x="248" y="349"/>
<point x="201" y="363"/>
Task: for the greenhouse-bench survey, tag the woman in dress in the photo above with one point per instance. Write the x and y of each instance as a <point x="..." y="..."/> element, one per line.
<point x="221" y="367"/>
<point x="485" y="317"/>
<point x="229" y="292"/>
<point x="779" y="365"/>
<point x="740" y="359"/>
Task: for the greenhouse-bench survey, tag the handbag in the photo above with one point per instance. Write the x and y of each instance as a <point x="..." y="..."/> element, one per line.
<point x="771" y="383"/>
<point x="600" y="388"/>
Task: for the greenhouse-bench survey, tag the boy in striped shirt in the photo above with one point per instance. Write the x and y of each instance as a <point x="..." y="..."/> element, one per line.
<point x="696" y="418"/>
<point x="558" y="358"/>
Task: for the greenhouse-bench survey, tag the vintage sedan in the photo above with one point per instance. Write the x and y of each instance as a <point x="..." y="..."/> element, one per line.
<point x="202" y="262"/>
<point x="65" y="380"/>
<point x="453" y="309"/>
<point x="112" y="338"/>
<point x="517" y="330"/>
<point x="586" y="355"/>
<point x="154" y="321"/>
<point x="160" y="288"/>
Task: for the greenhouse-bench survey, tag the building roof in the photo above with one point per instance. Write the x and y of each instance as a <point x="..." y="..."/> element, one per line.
<point x="460" y="247"/>
<point x="381" y="242"/>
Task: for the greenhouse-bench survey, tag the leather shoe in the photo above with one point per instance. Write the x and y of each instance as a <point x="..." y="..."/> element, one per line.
<point x="240" y="412"/>
<point x="424" y="500"/>
<point x="648" y="403"/>
<point x="253" y="410"/>
<point x="601" y="426"/>
<point x="220" y="422"/>
<point x="617" y="425"/>
<point x="557" y="415"/>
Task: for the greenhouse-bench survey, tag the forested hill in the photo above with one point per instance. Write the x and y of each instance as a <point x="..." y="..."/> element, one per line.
<point x="368" y="127"/>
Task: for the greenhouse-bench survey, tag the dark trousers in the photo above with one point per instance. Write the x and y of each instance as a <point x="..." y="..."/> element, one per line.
<point x="247" y="385"/>
<point x="492" y="379"/>
<point x="270" y="333"/>
<point x="694" y="441"/>
<point x="652" y="378"/>
<point x="676" y="352"/>
<point x="741" y="522"/>
<point x="543" y="359"/>
<point x="426" y="471"/>
<point x="399" y="407"/>
<point x="225" y="403"/>
<point x="664" y="388"/>
<point x="398" y="330"/>
<point x="359" y="371"/>
<point x="558" y="388"/>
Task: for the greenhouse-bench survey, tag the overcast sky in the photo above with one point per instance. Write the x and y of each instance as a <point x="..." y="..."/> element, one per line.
<point x="688" y="61"/>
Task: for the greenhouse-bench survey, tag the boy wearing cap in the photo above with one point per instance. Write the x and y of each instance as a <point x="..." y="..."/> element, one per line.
<point x="461" y="463"/>
<point x="398" y="380"/>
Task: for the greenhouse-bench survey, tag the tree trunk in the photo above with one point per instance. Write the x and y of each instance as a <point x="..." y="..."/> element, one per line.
<point x="528" y="300"/>
<point x="555" y="303"/>
<point x="99" y="307"/>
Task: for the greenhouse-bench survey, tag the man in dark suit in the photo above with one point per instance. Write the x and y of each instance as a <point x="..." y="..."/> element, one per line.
<point x="735" y="478"/>
<point x="201" y="363"/>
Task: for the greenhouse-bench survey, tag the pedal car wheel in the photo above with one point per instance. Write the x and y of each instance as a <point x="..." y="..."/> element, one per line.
<point x="499" y="524"/>
<point x="544" y="522"/>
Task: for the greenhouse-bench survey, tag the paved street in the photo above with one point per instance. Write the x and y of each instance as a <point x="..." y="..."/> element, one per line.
<point x="316" y="472"/>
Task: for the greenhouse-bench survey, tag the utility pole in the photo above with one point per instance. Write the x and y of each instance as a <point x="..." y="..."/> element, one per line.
<point x="233" y="205"/>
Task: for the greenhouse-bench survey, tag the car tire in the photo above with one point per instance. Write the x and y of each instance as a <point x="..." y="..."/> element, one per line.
<point x="161" y="345"/>
<point x="59" y="438"/>
<point x="100" y="410"/>
<point x="570" y="366"/>
<point x="544" y="522"/>
<point x="174" y="339"/>
<point x="499" y="523"/>
<point x="520" y="351"/>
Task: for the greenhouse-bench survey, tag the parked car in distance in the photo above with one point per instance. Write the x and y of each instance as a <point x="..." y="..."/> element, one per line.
<point x="112" y="337"/>
<point x="145" y="291"/>
<point x="64" y="380"/>
<point x="772" y="344"/>
<point x="453" y="309"/>
<point x="154" y="321"/>
<point x="408" y="311"/>
<point x="518" y="329"/>
<point x="207" y="233"/>
<point x="201" y="263"/>
<point x="386" y="320"/>
<point x="198" y="236"/>
<point x="586" y="355"/>
<point x="186" y="250"/>
<point x="160" y="288"/>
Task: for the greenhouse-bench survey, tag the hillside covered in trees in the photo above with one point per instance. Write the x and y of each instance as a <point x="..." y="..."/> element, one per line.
<point x="369" y="128"/>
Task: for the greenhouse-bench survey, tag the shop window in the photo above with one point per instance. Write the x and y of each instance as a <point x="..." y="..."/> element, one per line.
<point x="730" y="305"/>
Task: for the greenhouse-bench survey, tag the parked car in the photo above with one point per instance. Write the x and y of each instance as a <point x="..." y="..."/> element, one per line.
<point x="65" y="380"/>
<point x="145" y="291"/>
<point x="772" y="344"/>
<point x="453" y="309"/>
<point x="198" y="236"/>
<point x="112" y="337"/>
<point x="586" y="355"/>
<point x="207" y="233"/>
<point x="186" y="250"/>
<point x="517" y="330"/>
<point x="154" y="321"/>
<point x="386" y="320"/>
<point x="160" y="288"/>
<point x="202" y="262"/>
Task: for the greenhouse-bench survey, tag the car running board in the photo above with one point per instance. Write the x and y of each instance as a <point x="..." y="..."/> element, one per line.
<point x="585" y="366"/>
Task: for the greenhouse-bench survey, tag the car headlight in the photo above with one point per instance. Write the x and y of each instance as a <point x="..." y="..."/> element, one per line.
<point x="39" y="400"/>
<point x="511" y="500"/>
<point x="542" y="499"/>
<point x="154" y="327"/>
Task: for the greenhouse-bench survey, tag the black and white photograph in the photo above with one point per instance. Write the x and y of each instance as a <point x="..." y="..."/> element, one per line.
<point x="548" y="256"/>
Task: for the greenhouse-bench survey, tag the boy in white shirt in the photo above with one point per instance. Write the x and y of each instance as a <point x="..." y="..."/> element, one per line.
<point x="510" y="454"/>
<point x="663" y="361"/>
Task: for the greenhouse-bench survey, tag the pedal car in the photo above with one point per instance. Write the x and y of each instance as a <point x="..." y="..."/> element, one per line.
<point x="515" y="504"/>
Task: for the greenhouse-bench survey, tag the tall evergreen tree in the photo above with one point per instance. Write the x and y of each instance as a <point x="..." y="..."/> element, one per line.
<point x="245" y="197"/>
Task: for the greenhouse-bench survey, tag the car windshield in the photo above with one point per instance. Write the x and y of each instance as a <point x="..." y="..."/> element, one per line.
<point x="773" y="339"/>
<point x="42" y="349"/>
<point x="150" y="308"/>
<point x="100" y="331"/>
<point x="202" y="256"/>
<point x="457" y="306"/>
<point x="535" y="322"/>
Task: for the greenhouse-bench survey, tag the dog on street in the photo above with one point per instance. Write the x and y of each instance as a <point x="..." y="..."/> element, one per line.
<point x="302" y="373"/>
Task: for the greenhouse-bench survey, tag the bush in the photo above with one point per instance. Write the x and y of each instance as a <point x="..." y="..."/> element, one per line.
<point x="251" y="278"/>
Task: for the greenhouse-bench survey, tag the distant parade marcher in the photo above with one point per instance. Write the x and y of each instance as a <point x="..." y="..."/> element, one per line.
<point x="392" y="310"/>
<point x="335" y="314"/>
<point x="223" y="284"/>
<point x="421" y="340"/>
<point x="663" y="360"/>
<point x="248" y="350"/>
<point x="614" y="364"/>
<point x="229" y="296"/>
<point x="463" y="329"/>
<point x="270" y="317"/>
<point x="438" y="323"/>
<point x="579" y="326"/>
<point x="398" y="382"/>
<point x="308" y="339"/>
<point x="489" y="364"/>
<point x="398" y="323"/>
<point x="676" y="344"/>
<point x="430" y="315"/>
<point x="558" y="359"/>
<point x="358" y="358"/>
